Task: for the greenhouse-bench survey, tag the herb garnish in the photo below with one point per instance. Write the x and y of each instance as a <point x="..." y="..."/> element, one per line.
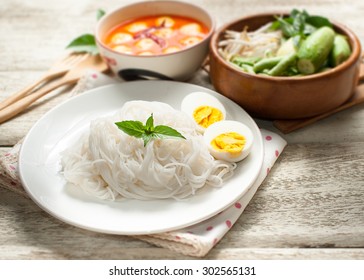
<point x="100" y="13"/>
<point x="299" y="25"/>
<point x="86" y="42"/>
<point x="148" y="131"/>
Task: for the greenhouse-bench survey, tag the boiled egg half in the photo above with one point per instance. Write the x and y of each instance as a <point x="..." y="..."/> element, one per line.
<point x="203" y="108"/>
<point x="229" y="140"/>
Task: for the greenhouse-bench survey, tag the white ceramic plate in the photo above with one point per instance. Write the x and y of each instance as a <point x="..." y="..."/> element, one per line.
<point x="39" y="165"/>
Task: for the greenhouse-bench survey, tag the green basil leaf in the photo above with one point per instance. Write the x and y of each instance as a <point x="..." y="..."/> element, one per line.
<point x="100" y="13"/>
<point x="275" y="25"/>
<point x="309" y="29"/>
<point x="147" y="137"/>
<point x="287" y="28"/>
<point x="149" y="125"/>
<point x="147" y="132"/>
<point x="295" y="13"/>
<point x="297" y="39"/>
<point x="161" y="131"/>
<point x="132" y="128"/>
<point x="299" y="23"/>
<point x="84" y="43"/>
<point x="318" y="21"/>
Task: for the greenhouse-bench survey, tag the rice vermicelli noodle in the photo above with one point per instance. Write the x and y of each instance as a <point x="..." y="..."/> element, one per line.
<point x="109" y="164"/>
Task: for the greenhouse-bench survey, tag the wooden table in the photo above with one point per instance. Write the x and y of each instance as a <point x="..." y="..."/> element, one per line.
<point x="311" y="206"/>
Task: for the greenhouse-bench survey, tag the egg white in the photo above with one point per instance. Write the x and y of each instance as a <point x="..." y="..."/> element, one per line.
<point x="227" y="126"/>
<point x="196" y="99"/>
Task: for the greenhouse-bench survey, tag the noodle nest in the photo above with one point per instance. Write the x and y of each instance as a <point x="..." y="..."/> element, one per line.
<point x="109" y="164"/>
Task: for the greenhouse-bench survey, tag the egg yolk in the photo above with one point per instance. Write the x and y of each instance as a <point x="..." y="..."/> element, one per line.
<point x="230" y="142"/>
<point x="206" y="115"/>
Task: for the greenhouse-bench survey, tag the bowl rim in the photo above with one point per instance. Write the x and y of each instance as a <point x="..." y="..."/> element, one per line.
<point x="140" y="3"/>
<point x="354" y="57"/>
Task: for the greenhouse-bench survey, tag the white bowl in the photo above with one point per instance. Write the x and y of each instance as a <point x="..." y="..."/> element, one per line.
<point x="179" y="65"/>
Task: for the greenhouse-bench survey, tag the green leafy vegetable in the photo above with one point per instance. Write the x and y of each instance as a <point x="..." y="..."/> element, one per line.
<point x="318" y="21"/>
<point x="100" y="13"/>
<point x="148" y="131"/>
<point x="306" y="48"/>
<point x="86" y="42"/>
<point x="299" y="24"/>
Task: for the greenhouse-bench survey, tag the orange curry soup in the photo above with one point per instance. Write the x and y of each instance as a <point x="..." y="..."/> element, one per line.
<point x="155" y="35"/>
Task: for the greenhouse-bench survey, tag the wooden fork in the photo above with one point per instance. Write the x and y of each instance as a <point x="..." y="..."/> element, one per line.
<point x="91" y="62"/>
<point x="58" y="69"/>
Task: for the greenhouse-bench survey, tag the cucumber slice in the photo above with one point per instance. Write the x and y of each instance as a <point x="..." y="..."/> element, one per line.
<point x="315" y="50"/>
<point x="340" y="51"/>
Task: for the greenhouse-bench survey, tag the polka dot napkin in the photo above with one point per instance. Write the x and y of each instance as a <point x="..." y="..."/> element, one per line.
<point x="196" y="240"/>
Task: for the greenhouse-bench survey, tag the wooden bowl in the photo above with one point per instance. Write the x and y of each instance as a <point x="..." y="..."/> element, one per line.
<point x="284" y="97"/>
